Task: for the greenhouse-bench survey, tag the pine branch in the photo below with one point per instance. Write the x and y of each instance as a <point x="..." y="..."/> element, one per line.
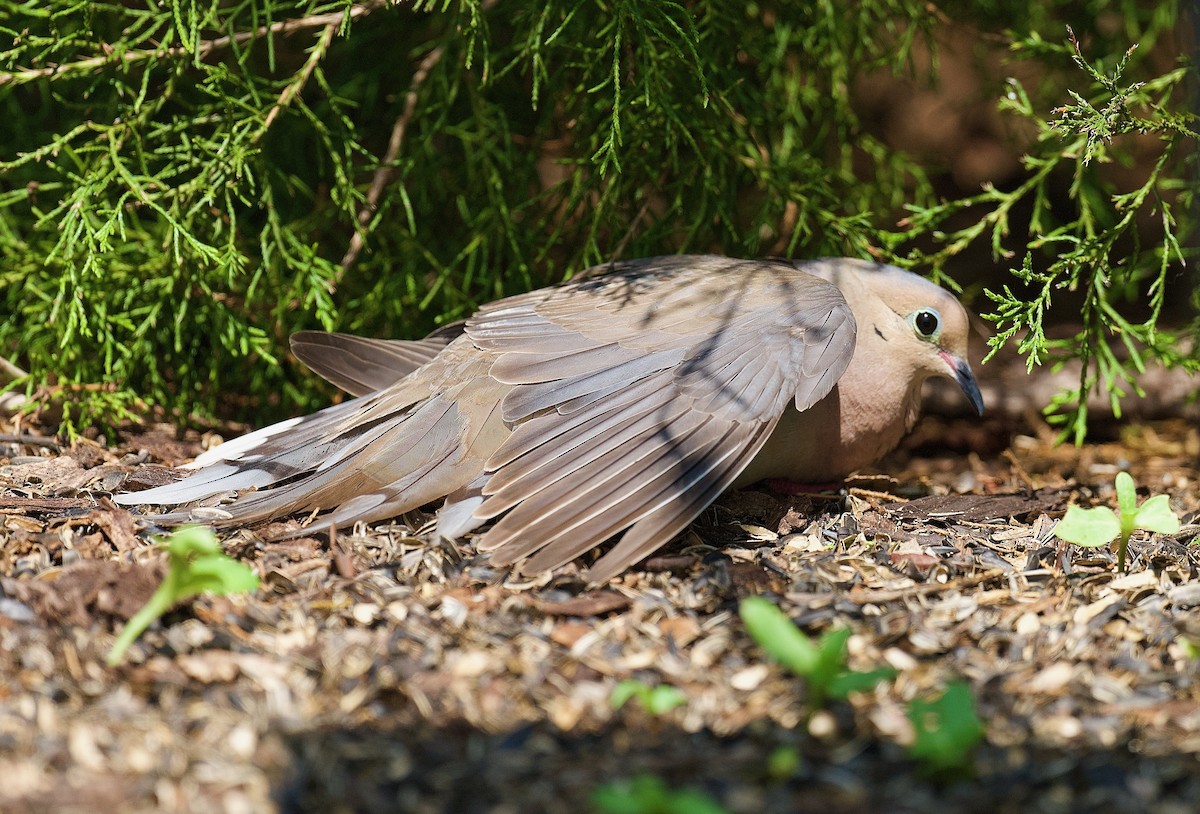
<point x="201" y="50"/>
<point x="383" y="175"/>
<point x="297" y="85"/>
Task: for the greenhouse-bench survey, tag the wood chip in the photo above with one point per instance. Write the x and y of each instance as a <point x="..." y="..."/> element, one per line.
<point x="595" y="603"/>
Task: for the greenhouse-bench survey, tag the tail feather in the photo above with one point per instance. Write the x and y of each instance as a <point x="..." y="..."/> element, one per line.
<point x="361" y="471"/>
<point x="264" y="443"/>
<point x="256" y="460"/>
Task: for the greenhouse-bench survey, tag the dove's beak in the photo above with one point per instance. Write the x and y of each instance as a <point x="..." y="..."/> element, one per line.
<point x="966" y="380"/>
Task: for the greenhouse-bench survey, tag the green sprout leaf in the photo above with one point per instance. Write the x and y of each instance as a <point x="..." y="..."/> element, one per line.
<point x="784" y="762"/>
<point x="849" y="681"/>
<point x="1097" y="527"/>
<point x="196" y="565"/>
<point x="822" y="665"/>
<point x="778" y="635"/>
<point x="947" y="730"/>
<point x="654" y="700"/>
<point x="1088" y="527"/>
<point x="1156" y="515"/>
<point x="831" y="657"/>
<point x="648" y="794"/>
<point x="663" y="699"/>
<point x="1126" y="494"/>
<point x="624" y="691"/>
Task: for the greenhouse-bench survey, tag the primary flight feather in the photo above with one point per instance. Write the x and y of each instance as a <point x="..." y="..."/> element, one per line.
<point x="618" y="404"/>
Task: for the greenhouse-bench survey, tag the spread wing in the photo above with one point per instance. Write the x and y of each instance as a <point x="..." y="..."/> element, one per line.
<point x="636" y="402"/>
<point x="618" y="405"/>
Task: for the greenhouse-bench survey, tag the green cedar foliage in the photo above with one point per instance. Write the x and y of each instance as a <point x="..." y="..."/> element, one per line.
<point x="1095" y="245"/>
<point x="185" y="183"/>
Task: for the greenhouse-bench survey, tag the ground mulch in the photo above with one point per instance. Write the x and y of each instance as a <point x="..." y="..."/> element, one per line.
<point x="376" y="671"/>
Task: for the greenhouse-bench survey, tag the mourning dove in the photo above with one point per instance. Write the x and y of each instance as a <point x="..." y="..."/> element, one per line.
<point x="620" y="404"/>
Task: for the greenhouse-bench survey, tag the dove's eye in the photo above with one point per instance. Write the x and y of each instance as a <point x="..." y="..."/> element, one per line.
<point x="927" y="323"/>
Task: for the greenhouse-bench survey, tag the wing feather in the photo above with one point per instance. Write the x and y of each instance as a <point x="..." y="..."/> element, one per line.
<point x="360" y="365"/>
<point x="527" y="400"/>
<point x="679" y="419"/>
<point x="539" y="493"/>
<point x="605" y="430"/>
<point x="612" y="501"/>
<point x="542" y="430"/>
<point x="676" y="511"/>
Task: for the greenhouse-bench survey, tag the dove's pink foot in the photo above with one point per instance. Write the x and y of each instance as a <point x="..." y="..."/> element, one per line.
<point x="790" y="487"/>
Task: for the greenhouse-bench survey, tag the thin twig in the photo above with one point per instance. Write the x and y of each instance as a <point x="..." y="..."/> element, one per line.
<point x="383" y="175"/>
<point x="633" y="224"/>
<point x="30" y="440"/>
<point x="10" y="372"/>
<point x="10" y="402"/>
<point x="203" y="49"/>
<point x="862" y="596"/>
<point x="294" y="87"/>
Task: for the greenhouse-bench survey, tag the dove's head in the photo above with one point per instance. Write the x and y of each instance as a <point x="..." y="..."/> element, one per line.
<point x="906" y="321"/>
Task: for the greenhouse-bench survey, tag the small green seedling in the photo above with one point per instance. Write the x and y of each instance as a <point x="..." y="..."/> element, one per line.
<point x="822" y="665"/>
<point x="947" y="729"/>
<point x="1096" y="527"/>
<point x="783" y="763"/>
<point x="196" y="564"/>
<point x="654" y="700"/>
<point x="647" y="794"/>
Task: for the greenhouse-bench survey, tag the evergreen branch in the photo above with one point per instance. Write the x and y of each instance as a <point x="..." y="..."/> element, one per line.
<point x="383" y="175"/>
<point x="1097" y="250"/>
<point x="296" y="85"/>
<point x="201" y="49"/>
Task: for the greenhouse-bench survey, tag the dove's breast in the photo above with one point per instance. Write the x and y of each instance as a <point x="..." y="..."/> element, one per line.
<point x="861" y="420"/>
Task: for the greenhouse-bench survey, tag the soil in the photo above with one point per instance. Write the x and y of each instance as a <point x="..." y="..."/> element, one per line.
<point x="377" y="671"/>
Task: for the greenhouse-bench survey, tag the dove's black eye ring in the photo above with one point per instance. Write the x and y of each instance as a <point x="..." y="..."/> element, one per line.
<point x="927" y="323"/>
